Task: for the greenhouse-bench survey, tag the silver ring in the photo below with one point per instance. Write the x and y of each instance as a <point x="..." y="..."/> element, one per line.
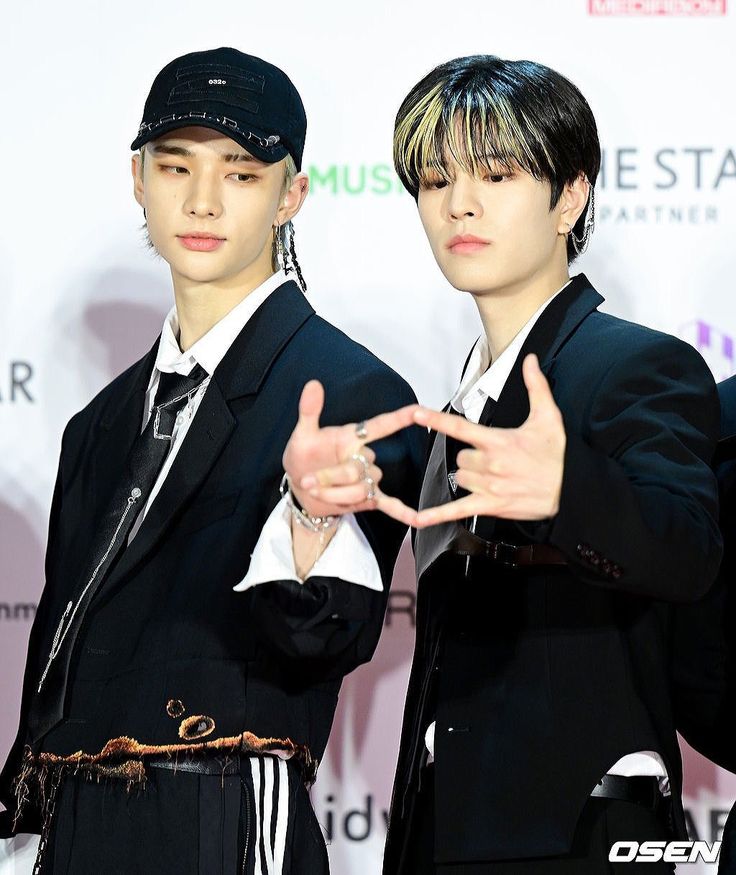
<point x="361" y="459"/>
<point x="371" y="484"/>
<point x="361" y="431"/>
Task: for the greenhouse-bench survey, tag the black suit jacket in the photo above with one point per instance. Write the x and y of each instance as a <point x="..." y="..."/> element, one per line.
<point x="704" y="655"/>
<point x="704" y="660"/>
<point x="541" y="679"/>
<point x="166" y="623"/>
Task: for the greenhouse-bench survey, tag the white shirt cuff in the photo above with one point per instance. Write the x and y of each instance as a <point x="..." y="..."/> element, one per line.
<point x="18" y="854"/>
<point x="348" y="555"/>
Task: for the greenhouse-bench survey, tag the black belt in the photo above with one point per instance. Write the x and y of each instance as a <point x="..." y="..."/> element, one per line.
<point x="467" y="543"/>
<point x="204" y="766"/>
<point x="640" y="789"/>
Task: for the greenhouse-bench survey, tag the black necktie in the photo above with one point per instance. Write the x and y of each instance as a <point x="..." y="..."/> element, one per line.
<point x="142" y="467"/>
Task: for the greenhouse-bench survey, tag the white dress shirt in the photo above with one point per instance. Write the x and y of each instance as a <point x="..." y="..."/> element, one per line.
<point x="484" y="379"/>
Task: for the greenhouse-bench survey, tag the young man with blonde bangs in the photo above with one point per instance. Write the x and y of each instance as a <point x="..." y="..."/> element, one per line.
<point x="201" y="609"/>
<point x="567" y="506"/>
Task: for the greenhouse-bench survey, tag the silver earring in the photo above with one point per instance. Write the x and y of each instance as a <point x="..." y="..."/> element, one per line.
<point x="278" y="247"/>
<point x="581" y="244"/>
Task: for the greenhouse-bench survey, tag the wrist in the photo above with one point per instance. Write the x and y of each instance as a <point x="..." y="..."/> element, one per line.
<point x="301" y="515"/>
<point x="298" y="499"/>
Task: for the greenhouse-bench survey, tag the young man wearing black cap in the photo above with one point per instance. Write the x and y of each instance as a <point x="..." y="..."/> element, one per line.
<point x="178" y="693"/>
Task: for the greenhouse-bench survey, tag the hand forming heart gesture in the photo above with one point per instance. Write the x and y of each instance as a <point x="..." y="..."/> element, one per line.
<point x="512" y="473"/>
<point x="331" y="470"/>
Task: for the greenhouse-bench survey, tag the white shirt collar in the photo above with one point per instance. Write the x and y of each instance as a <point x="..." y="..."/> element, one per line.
<point x="210" y="349"/>
<point x="485" y="379"/>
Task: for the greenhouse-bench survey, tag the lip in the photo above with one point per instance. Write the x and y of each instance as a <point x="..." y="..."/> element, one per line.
<point x="466" y="243"/>
<point x="201" y="241"/>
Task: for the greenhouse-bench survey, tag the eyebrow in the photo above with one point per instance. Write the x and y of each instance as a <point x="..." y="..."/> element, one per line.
<point x="230" y="158"/>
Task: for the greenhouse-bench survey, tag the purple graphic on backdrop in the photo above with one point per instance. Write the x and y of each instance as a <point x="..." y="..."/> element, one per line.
<point x="716" y="347"/>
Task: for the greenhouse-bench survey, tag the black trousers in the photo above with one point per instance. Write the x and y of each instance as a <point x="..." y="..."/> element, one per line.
<point x="181" y="823"/>
<point x="602" y="822"/>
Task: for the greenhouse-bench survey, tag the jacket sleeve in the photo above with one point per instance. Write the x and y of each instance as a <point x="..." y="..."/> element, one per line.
<point x="638" y="508"/>
<point x="327" y="626"/>
<point x="704" y="675"/>
<point x="29" y="824"/>
<point x="703" y="643"/>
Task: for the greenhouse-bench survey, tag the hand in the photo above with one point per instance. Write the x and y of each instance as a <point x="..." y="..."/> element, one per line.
<point x="324" y="477"/>
<point x="513" y="473"/>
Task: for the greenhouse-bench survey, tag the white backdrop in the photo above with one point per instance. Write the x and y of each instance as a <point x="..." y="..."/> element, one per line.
<point x="82" y="297"/>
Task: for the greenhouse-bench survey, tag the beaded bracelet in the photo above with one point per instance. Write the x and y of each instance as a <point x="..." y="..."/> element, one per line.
<point x="318" y="525"/>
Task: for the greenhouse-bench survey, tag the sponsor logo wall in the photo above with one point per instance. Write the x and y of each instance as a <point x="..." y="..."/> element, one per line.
<point x="83" y="297"/>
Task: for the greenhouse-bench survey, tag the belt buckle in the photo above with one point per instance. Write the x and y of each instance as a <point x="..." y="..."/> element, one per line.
<point x="504" y="554"/>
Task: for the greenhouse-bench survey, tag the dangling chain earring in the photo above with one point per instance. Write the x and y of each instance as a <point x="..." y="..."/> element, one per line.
<point x="580" y="245"/>
<point x="293" y="258"/>
<point x="279" y="253"/>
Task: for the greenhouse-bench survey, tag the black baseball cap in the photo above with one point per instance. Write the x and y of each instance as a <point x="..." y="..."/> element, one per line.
<point x="248" y="99"/>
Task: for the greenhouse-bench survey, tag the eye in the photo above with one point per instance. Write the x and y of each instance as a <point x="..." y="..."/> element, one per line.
<point x="242" y="177"/>
<point x="433" y="183"/>
<point x="173" y="169"/>
<point x="496" y="177"/>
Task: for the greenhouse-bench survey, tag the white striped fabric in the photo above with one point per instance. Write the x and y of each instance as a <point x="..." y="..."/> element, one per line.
<point x="255" y="770"/>
<point x="267" y="813"/>
<point x="282" y="818"/>
<point x="272" y="817"/>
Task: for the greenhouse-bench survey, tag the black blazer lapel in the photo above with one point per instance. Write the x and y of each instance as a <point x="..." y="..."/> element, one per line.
<point x="560" y="320"/>
<point x="241" y="372"/>
<point x="121" y="422"/>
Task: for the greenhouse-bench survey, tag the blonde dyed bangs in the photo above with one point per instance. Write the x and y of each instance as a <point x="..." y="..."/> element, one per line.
<point x="476" y="127"/>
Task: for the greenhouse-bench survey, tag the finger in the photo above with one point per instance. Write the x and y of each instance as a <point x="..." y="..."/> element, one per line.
<point x="339" y="475"/>
<point x="470" y="505"/>
<point x="386" y="424"/>
<point x="481" y="461"/>
<point x="457" y="427"/>
<point x="346" y="493"/>
<point x="473" y="481"/>
<point x="343" y="496"/>
<point x="342" y="473"/>
<point x="540" y="395"/>
<point x="395" y="508"/>
<point x="310" y="406"/>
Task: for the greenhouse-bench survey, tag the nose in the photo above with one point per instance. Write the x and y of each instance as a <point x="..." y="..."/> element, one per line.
<point x="203" y="197"/>
<point x="462" y="200"/>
